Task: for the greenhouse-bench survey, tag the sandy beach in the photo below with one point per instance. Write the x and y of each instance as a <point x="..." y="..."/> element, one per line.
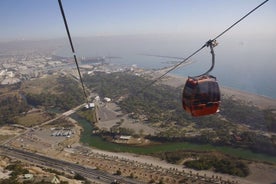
<point x="262" y="102"/>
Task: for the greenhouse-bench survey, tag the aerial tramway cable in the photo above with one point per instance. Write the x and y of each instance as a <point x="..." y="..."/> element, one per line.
<point x="73" y="50"/>
<point x="173" y="67"/>
<point x="205" y="45"/>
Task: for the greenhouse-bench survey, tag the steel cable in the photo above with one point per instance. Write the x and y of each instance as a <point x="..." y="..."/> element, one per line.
<point x="73" y="50"/>
<point x="194" y="53"/>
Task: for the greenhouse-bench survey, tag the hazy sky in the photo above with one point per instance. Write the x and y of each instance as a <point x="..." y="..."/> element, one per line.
<point x="245" y="56"/>
<point x="40" y="19"/>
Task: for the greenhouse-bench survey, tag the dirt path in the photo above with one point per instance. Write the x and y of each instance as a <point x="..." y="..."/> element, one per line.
<point x="254" y="178"/>
<point x="262" y="173"/>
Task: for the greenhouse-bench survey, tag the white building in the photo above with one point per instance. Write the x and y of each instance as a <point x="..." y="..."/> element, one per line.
<point x="97" y="98"/>
<point x="90" y="105"/>
<point x="107" y="99"/>
<point x="3" y="72"/>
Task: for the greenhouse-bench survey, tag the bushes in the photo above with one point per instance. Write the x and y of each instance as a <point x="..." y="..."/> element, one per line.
<point x="231" y="167"/>
<point x="66" y="95"/>
<point x="157" y="103"/>
<point x="208" y="160"/>
<point x="200" y="164"/>
<point x="228" y="166"/>
<point x="16" y="169"/>
<point x="11" y="106"/>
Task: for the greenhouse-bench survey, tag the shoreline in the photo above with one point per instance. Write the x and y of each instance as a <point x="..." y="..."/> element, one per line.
<point x="261" y="101"/>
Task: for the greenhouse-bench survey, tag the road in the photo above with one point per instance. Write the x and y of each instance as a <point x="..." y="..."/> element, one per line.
<point x="65" y="114"/>
<point x="89" y="173"/>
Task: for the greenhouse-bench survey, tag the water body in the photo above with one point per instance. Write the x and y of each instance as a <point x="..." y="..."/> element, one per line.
<point x="240" y="63"/>
<point x="95" y="141"/>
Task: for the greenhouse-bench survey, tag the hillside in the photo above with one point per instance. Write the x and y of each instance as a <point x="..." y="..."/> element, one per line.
<point x="240" y="122"/>
<point x="32" y="101"/>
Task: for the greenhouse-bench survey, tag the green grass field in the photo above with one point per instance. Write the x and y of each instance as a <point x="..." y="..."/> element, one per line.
<point x="97" y="142"/>
<point x="33" y="119"/>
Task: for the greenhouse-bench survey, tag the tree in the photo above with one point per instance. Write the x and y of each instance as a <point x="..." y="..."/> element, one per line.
<point x="118" y="172"/>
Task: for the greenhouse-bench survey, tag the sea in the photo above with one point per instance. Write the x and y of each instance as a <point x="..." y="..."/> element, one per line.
<point x="239" y="64"/>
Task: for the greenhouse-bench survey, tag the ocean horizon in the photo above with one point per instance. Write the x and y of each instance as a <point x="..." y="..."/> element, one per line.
<point x="240" y="62"/>
<point x="258" y="83"/>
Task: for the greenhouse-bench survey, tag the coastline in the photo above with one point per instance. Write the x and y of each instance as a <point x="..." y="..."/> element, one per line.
<point x="263" y="102"/>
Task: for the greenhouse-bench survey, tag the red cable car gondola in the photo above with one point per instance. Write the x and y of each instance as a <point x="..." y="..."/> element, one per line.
<point x="201" y="94"/>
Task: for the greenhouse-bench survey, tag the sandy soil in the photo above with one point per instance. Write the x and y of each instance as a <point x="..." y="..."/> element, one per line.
<point x="3" y="163"/>
<point x="260" y="101"/>
<point x="262" y="173"/>
<point x="42" y="139"/>
<point x="4" y="174"/>
<point x="110" y="115"/>
<point x="10" y="130"/>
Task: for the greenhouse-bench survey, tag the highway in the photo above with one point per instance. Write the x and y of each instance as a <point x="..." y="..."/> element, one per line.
<point x="65" y="166"/>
